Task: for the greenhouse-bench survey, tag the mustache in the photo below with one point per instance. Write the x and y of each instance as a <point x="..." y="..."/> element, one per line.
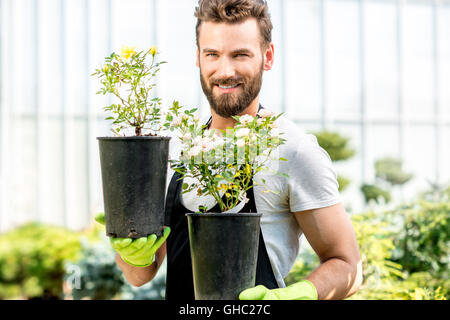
<point x="228" y="82"/>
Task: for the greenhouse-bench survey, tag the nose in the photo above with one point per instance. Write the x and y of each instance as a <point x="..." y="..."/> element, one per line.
<point x="226" y="69"/>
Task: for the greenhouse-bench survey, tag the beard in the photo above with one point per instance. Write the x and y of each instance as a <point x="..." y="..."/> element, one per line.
<point x="231" y="104"/>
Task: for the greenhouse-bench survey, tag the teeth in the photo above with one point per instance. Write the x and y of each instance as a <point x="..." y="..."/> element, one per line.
<point x="223" y="87"/>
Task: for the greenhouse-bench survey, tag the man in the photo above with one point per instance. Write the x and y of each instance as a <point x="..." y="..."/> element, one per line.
<point x="234" y="48"/>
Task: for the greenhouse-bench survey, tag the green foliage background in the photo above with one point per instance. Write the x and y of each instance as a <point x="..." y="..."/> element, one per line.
<point x="405" y="252"/>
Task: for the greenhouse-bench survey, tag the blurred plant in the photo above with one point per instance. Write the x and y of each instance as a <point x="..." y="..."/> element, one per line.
<point x="97" y="276"/>
<point x="32" y="260"/>
<point x="388" y="174"/>
<point x="405" y="252"/>
<point x="390" y="170"/>
<point x="422" y="239"/>
<point x="374" y="193"/>
<point x="337" y="146"/>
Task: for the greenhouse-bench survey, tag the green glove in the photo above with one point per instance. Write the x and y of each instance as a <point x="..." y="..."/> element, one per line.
<point x="302" y="290"/>
<point x="136" y="252"/>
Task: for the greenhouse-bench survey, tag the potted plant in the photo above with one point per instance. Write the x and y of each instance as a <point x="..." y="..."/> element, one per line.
<point x="134" y="161"/>
<point x="223" y="163"/>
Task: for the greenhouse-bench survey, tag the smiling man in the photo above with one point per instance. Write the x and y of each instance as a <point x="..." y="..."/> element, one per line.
<point x="234" y="49"/>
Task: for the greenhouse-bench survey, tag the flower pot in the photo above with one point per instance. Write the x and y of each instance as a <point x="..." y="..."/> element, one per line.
<point x="134" y="171"/>
<point x="224" y="251"/>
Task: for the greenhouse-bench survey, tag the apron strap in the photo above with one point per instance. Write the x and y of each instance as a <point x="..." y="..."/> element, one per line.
<point x="171" y="197"/>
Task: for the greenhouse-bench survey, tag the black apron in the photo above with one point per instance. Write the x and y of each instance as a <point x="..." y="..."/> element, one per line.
<point x="179" y="279"/>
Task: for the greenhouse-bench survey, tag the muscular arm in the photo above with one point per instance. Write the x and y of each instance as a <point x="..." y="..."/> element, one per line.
<point x="331" y="235"/>
<point x="138" y="276"/>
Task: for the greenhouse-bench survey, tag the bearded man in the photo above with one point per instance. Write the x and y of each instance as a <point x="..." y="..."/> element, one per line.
<point x="234" y="48"/>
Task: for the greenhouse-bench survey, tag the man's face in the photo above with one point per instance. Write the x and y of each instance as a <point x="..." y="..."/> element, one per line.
<point x="231" y="65"/>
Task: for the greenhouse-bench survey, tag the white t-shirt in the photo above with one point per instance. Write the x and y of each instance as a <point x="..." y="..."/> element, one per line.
<point x="312" y="183"/>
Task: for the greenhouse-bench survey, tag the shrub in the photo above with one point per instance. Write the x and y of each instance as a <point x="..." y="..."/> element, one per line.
<point x="95" y="275"/>
<point x="423" y="238"/>
<point x="32" y="260"/>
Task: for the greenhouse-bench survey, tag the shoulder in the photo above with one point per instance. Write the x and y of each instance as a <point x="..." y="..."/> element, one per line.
<point x="299" y="145"/>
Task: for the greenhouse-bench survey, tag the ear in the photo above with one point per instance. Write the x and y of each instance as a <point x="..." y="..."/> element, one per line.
<point x="269" y="57"/>
<point x="198" y="58"/>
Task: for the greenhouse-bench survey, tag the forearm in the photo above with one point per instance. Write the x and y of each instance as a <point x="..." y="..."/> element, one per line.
<point x="137" y="276"/>
<point x="336" y="279"/>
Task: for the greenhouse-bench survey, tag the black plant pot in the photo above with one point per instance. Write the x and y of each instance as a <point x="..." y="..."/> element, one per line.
<point x="224" y="252"/>
<point x="134" y="172"/>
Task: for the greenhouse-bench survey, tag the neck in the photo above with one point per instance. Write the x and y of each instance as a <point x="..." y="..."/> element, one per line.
<point x="221" y="123"/>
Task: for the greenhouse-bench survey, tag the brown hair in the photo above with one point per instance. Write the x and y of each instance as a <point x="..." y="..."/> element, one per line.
<point x="235" y="11"/>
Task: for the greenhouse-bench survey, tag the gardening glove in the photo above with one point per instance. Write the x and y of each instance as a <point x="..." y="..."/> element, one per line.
<point x="302" y="290"/>
<point x="136" y="252"/>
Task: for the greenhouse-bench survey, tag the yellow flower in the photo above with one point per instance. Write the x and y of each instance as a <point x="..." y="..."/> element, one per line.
<point x="127" y="52"/>
<point x="153" y="50"/>
<point x="227" y="194"/>
<point x="106" y="68"/>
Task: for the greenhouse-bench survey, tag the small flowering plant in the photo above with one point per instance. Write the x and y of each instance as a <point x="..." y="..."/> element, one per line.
<point x="222" y="163"/>
<point x="128" y="77"/>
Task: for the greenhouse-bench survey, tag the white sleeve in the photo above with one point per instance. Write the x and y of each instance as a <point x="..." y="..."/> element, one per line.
<point x="312" y="181"/>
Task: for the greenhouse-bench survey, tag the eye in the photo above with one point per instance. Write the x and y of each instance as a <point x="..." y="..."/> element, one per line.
<point x="211" y="54"/>
<point x="241" y="55"/>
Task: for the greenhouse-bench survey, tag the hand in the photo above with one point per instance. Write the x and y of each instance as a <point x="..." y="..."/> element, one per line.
<point x="303" y="290"/>
<point x="136" y="252"/>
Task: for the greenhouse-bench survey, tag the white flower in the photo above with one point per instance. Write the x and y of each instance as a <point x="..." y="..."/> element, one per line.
<point x="194" y="151"/>
<point x="242" y="132"/>
<point x="206" y="144"/>
<point x="197" y="140"/>
<point x="217" y="142"/>
<point x="176" y="122"/>
<point x="187" y="136"/>
<point x="273" y="125"/>
<point x="246" y="118"/>
<point x="265" y="113"/>
<point x="240" y="143"/>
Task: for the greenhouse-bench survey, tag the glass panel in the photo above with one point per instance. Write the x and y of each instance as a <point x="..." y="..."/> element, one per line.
<point x="351" y="168"/>
<point x="419" y="158"/>
<point x="75" y="45"/>
<point x="271" y="91"/>
<point x="380" y="49"/>
<point x="99" y="48"/>
<point x="418" y="62"/>
<point x="131" y="23"/>
<point x="342" y="70"/>
<point x="377" y="148"/>
<point x="179" y="78"/>
<point x="49" y="63"/>
<point x="303" y="60"/>
<point x="77" y="174"/>
<point x="444" y="60"/>
<point x="51" y="174"/>
<point x="101" y="129"/>
<point x="21" y="177"/>
<point x="22" y="57"/>
<point x="444" y="150"/>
